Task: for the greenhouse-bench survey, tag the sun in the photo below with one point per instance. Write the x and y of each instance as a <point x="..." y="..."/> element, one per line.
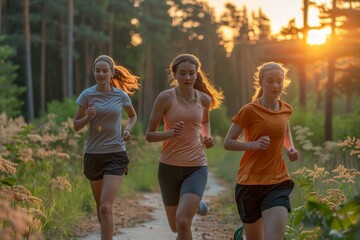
<point x="318" y="36"/>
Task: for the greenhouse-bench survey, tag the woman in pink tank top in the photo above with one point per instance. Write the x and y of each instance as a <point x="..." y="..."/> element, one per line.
<point x="184" y="110"/>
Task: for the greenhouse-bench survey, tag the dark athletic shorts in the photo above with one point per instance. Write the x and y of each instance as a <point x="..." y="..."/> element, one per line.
<point x="175" y="181"/>
<point x="251" y="200"/>
<point x="98" y="165"/>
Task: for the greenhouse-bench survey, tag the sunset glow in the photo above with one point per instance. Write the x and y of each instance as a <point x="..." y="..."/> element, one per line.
<point x="317" y="37"/>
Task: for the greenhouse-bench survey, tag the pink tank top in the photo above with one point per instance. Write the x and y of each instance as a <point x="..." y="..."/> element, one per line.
<point x="185" y="150"/>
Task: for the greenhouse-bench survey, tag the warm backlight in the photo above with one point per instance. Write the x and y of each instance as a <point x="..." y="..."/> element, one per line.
<point x="317" y="37"/>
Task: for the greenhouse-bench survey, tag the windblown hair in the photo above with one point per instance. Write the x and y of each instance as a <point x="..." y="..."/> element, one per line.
<point x="123" y="79"/>
<point x="202" y="83"/>
<point x="259" y="77"/>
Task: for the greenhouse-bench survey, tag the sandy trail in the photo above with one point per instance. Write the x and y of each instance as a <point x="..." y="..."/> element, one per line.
<point x="158" y="229"/>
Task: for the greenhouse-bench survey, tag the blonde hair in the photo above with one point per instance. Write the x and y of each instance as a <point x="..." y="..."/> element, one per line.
<point x="202" y="83"/>
<point x="123" y="79"/>
<point x="259" y="77"/>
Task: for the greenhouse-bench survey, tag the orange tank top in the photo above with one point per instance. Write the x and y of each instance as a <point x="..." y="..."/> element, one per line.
<point x="185" y="150"/>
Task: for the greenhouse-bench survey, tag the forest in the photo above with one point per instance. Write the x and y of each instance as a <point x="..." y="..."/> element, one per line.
<point x="50" y="46"/>
<point x="47" y="49"/>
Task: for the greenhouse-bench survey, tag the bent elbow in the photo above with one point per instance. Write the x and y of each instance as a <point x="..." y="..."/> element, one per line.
<point x="76" y="127"/>
<point x="226" y="145"/>
<point x="148" y="138"/>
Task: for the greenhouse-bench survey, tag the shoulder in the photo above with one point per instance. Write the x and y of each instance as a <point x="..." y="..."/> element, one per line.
<point x="250" y="106"/>
<point x="89" y="90"/>
<point x="286" y="106"/>
<point x="205" y="98"/>
<point x="119" y="91"/>
<point x="166" y="95"/>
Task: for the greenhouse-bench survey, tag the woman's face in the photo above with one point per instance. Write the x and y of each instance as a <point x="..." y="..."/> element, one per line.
<point x="272" y="83"/>
<point x="102" y="73"/>
<point x="186" y="74"/>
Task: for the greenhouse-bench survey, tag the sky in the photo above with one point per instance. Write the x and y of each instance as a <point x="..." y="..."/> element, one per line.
<point x="279" y="11"/>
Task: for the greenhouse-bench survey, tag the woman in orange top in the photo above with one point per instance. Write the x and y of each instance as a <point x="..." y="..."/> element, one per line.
<point x="184" y="110"/>
<point x="263" y="182"/>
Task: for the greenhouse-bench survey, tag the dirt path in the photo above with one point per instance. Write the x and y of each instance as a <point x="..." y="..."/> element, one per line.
<point x="151" y="223"/>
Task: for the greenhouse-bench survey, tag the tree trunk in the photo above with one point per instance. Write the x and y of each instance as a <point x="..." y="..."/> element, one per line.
<point x="329" y="99"/>
<point x="29" y="82"/>
<point x="70" y="35"/>
<point x="43" y="60"/>
<point x="111" y="34"/>
<point x="330" y="82"/>
<point x="236" y="81"/>
<point x="0" y="14"/>
<point x="244" y="69"/>
<point x="301" y="66"/>
<point x="148" y="83"/>
<point x="302" y="84"/>
<point x="63" y="62"/>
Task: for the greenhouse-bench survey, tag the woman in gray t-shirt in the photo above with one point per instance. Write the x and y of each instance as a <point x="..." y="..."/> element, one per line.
<point x="106" y="160"/>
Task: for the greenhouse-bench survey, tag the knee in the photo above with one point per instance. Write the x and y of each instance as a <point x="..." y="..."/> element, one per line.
<point x="183" y="222"/>
<point x="105" y="209"/>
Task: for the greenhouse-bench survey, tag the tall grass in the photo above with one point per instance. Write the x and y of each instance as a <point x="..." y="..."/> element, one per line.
<point x="47" y="172"/>
<point x="142" y="176"/>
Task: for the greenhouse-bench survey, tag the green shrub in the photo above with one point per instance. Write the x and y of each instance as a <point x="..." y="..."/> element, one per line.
<point x="220" y="122"/>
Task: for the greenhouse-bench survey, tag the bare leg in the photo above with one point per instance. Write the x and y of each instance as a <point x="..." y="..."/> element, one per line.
<point x="171" y="213"/>
<point x="108" y="191"/>
<point x="254" y="231"/>
<point x="96" y="188"/>
<point x="184" y="215"/>
<point x="275" y="220"/>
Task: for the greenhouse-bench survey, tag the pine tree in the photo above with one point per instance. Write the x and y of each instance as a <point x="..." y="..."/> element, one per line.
<point x="10" y="102"/>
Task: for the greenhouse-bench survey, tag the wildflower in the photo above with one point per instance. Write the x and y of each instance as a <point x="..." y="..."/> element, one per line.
<point x="64" y="155"/>
<point x="7" y="166"/>
<point x="26" y="154"/>
<point x="334" y="198"/>
<point x="19" y="193"/>
<point x="37" y="213"/>
<point x="355" y="152"/>
<point x="60" y="183"/>
<point x="17" y="218"/>
<point x="318" y="172"/>
<point x="348" y="142"/>
<point x="330" y="181"/>
<point x="347" y="175"/>
<point x="35" y="137"/>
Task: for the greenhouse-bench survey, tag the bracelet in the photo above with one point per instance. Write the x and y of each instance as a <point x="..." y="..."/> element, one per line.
<point x="126" y="129"/>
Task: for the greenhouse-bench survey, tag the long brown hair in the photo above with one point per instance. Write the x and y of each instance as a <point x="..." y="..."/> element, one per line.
<point x="123" y="79"/>
<point x="259" y="77"/>
<point x="202" y="83"/>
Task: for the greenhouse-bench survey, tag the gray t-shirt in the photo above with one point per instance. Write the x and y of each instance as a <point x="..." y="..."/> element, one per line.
<point x="105" y="129"/>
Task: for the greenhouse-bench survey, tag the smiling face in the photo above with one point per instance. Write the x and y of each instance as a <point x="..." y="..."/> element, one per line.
<point x="186" y="74"/>
<point x="272" y="83"/>
<point x="102" y="74"/>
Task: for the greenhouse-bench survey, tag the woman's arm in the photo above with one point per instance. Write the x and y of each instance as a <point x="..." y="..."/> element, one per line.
<point x="205" y="122"/>
<point x="81" y="119"/>
<point x="233" y="144"/>
<point x="288" y="141"/>
<point x="292" y="154"/>
<point x="132" y="118"/>
<point x="161" y="105"/>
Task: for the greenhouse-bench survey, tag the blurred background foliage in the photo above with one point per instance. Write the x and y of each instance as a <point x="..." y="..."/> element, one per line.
<point x="41" y="178"/>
